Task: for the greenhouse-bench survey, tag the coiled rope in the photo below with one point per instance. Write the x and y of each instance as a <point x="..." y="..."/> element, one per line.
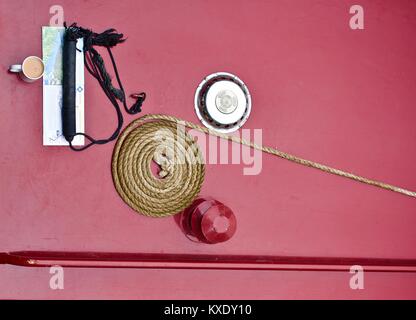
<point x="158" y="138"/>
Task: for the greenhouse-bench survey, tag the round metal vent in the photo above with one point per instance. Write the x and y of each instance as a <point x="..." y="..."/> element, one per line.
<point x="222" y="102"/>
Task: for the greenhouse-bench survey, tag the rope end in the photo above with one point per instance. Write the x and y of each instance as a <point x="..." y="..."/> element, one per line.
<point x="137" y="106"/>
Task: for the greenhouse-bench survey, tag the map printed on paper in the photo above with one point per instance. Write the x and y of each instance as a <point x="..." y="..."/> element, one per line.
<point x="52" y="45"/>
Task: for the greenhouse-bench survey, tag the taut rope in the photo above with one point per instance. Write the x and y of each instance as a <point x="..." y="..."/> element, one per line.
<point x="156" y="137"/>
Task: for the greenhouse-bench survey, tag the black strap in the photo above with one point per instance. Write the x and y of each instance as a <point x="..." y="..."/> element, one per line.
<point x="96" y="67"/>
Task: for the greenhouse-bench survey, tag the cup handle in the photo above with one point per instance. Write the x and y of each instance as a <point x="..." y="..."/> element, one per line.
<point x="15" y="68"/>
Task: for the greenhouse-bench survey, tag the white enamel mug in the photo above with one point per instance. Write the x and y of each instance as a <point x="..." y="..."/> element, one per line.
<point x="31" y="69"/>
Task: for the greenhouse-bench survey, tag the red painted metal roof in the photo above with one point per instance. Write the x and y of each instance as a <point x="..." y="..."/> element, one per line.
<point x="319" y="90"/>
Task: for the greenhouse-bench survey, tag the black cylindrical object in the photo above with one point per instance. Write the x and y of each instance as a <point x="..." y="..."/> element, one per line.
<point x="68" y="87"/>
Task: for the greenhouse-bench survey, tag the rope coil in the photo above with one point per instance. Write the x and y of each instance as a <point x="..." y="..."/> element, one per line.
<point x="156" y="137"/>
<point x="175" y="151"/>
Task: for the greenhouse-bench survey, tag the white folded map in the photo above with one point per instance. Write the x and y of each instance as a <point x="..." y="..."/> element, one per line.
<point x="52" y="45"/>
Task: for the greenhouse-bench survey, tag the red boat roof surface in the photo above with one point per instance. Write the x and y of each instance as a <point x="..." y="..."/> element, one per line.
<point x="319" y="90"/>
